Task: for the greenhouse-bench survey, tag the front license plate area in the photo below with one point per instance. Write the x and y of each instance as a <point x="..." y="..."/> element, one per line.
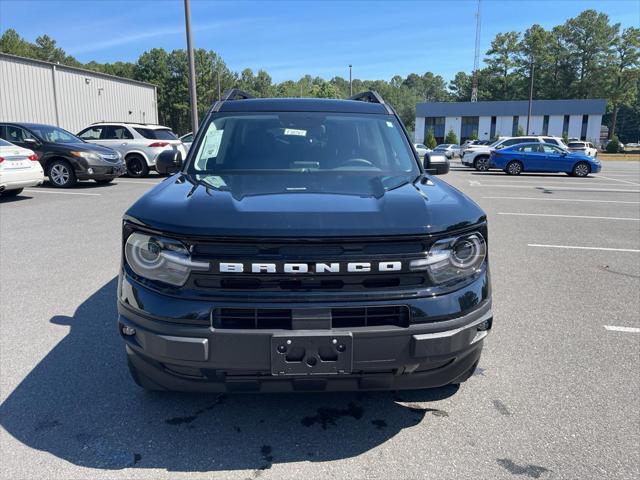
<point x="316" y="354"/>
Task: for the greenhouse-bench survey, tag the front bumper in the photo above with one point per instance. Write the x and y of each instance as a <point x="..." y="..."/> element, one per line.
<point x="199" y="357"/>
<point x="101" y="172"/>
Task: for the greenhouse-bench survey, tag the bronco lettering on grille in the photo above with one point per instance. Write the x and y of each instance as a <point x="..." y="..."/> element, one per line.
<point x="295" y="268"/>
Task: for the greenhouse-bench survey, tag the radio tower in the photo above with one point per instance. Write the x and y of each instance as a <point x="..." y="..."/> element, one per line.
<point x="476" y="59"/>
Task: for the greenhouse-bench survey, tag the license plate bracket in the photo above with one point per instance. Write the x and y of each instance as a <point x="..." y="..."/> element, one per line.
<point x="319" y="353"/>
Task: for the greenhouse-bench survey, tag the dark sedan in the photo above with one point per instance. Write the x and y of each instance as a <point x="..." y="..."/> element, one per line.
<point x="64" y="157"/>
<point x="543" y="157"/>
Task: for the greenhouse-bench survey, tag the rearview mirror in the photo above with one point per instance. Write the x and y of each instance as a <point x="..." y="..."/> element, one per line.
<point x="168" y="162"/>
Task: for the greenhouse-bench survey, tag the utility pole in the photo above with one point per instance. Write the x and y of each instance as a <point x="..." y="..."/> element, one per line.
<point x="476" y="59"/>
<point x="350" y="83"/>
<point x="533" y="67"/>
<point x="219" y="95"/>
<point x="192" y="69"/>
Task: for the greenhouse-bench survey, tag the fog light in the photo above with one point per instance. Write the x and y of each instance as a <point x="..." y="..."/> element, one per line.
<point x="90" y="170"/>
<point x="484" y="325"/>
<point x="129" y="331"/>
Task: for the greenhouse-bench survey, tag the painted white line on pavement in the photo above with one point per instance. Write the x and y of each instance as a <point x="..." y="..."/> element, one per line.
<point x="142" y="182"/>
<point x="31" y="190"/>
<point x="573" y="247"/>
<point x="563" y="200"/>
<point x="557" y="189"/>
<point x="567" y="216"/>
<point x="538" y="184"/>
<point x="614" y="328"/>
<point x="618" y="180"/>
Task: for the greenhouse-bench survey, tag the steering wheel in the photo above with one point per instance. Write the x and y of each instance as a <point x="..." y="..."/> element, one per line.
<point x="358" y="161"/>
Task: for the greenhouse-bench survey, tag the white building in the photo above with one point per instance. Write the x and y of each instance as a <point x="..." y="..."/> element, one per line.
<point x="71" y="98"/>
<point x="577" y="118"/>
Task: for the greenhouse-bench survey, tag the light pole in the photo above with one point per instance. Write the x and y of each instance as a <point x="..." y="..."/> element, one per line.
<point x="350" y="84"/>
<point x="533" y="67"/>
<point x="192" y="69"/>
<point x="219" y="96"/>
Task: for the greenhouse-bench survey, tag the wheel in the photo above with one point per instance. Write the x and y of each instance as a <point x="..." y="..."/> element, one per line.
<point x="513" y="168"/>
<point x="581" y="169"/>
<point x="61" y="174"/>
<point x="137" y="166"/>
<point x="104" y="181"/>
<point x="481" y="163"/>
<point x="12" y="193"/>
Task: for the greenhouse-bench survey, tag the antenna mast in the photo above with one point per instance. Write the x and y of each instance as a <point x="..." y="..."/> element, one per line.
<point x="476" y="58"/>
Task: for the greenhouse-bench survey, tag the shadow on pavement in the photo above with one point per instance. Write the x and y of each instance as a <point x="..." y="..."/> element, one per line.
<point x="80" y="405"/>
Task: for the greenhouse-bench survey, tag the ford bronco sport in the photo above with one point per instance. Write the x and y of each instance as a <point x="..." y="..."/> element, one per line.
<point x="301" y="246"/>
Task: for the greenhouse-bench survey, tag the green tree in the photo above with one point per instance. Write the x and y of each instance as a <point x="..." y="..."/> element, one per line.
<point x="501" y="61"/>
<point x="430" y="140"/>
<point x="451" y="137"/>
<point x="474" y="135"/>
<point x="622" y="85"/>
<point x="614" y="145"/>
<point x="14" y="44"/>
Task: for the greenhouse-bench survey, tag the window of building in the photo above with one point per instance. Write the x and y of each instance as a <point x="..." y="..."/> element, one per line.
<point x="583" y="131"/>
<point x="437" y="125"/>
<point x="492" y="132"/>
<point x="565" y="125"/>
<point x="469" y="127"/>
<point x="545" y="125"/>
<point x="514" y="126"/>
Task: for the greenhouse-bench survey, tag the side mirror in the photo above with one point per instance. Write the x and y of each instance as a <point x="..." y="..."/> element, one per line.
<point x="168" y="162"/>
<point x="32" y="141"/>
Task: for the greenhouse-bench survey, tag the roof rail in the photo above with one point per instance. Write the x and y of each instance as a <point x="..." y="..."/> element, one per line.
<point x="231" y="94"/>
<point x="129" y="123"/>
<point x="373" y="97"/>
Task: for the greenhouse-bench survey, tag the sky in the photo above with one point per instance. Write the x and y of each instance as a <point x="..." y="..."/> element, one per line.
<point x="292" y="38"/>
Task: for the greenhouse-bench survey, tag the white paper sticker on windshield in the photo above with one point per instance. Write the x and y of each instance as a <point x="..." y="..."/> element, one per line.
<point x="212" y="143"/>
<point x="389" y="124"/>
<point x="293" y="131"/>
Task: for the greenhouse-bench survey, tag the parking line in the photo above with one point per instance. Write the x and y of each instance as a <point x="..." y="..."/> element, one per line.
<point x="557" y="189"/>
<point x="615" y="328"/>
<point x="618" y="180"/>
<point x="142" y="182"/>
<point x="31" y="190"/>
<point x="568" y="216"/>
<point x="563" y="200"/>
<point x="573" y="247"/>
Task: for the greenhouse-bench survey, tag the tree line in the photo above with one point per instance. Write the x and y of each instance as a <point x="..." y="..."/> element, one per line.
<point x="586" y="57"/>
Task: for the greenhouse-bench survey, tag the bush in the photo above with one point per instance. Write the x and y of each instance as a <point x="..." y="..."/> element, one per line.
<point x="430" y="140"/>
<point x="451" y="137"/>
<point x="520" y="131"/>
<point x="474" y="135"/>
<point x="614" y="145"/>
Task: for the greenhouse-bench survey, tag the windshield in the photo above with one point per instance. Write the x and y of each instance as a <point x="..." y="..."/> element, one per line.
<point x="576" y="145"/>
<point x="54" y="134"/>
<point x="309" y="145"/>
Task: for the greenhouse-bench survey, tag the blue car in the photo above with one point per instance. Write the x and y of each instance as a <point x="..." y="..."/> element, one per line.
<point x="543" y="157"/>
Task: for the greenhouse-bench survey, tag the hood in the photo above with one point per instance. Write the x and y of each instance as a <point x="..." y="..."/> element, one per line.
<point x="217" y="206"/>
<point x="87" y="147"/>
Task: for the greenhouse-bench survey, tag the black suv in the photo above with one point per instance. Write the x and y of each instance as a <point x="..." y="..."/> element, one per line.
<point x="64" y="157"/>
<point x="302" y="247"/>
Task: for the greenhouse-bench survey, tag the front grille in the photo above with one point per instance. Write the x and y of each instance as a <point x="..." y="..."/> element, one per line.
<point x="310" y="252"/>
<point x="282" y="318"/>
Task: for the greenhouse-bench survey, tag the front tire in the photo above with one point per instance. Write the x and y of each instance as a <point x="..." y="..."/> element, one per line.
<point x="481" y="164"/>
<point x="61" y="174"/>
<point x="581" y="169"/>
<point x="513" y="168"/>
<point x="137" y="166"/>
<point x="12" y="193"/>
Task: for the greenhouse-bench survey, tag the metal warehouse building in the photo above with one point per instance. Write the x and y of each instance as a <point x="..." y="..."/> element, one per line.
<point x="578" y="118"/>
<point x="72" y="98"/>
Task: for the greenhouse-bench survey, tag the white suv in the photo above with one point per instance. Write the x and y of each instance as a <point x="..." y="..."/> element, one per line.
<point x="139" y="143"/>
<point x="583" y="147"/>
<point x="478" y="157"/>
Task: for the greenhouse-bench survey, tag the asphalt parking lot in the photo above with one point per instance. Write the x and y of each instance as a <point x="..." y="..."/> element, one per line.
<point x="556" y="395"/>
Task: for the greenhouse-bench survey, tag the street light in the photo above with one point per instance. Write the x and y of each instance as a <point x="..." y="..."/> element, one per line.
<point x="192" y="69"/>
<point x="350" y="84"/>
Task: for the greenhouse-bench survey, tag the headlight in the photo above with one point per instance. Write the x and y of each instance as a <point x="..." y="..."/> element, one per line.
<point x="453" y="258"/>
<point x="159" y="258"/>
<point x="86" y="155"/>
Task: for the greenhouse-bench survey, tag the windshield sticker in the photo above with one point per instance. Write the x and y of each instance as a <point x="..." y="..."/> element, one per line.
<point x="293" y="131"/>
<point x="389" y="124"/>
<point x="212" y="143"/>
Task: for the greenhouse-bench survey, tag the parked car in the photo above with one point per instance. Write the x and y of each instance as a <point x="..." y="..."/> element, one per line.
<point x="449" y="150"/>
<point x="583" y="147"/>
<point x="436" y="162"/>
<point x="64" y="157"/>
<point x="138" y="143"/>
<point x="543" y="157"/>
<point x="187" y="140"/>
<point x="19" y="168"/>
<point x="302" y="251"/>
<point x="421" y="149"/>
<point x="478" y="158"/>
